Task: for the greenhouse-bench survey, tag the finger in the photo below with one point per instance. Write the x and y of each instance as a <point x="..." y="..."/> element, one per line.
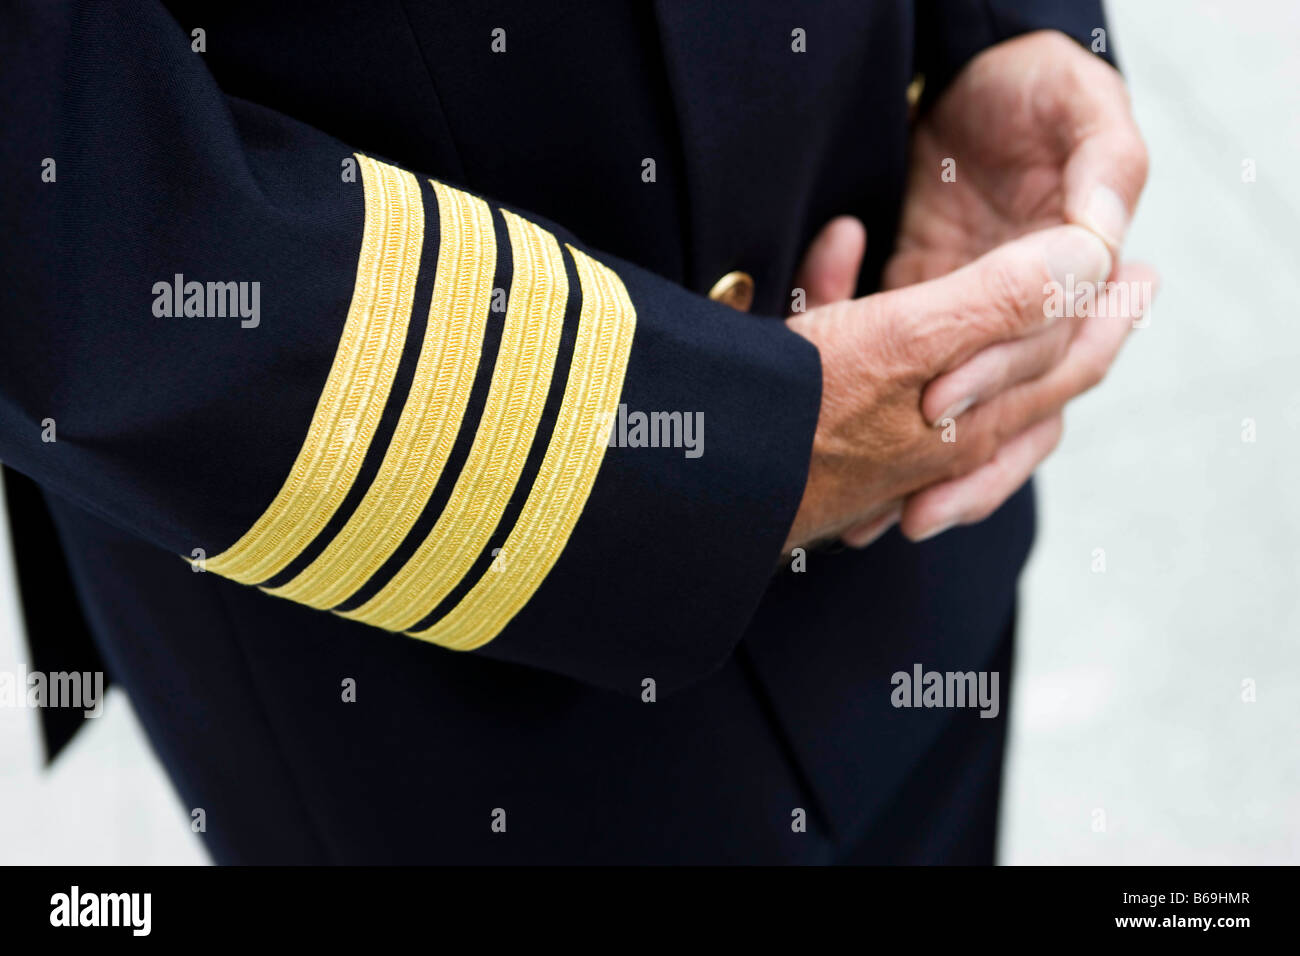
<point x="994" y="370"/>
<point x="1103" y="180"/>
<point x="1091" y="353"/>
<point x="829" y="271"/>
<point x="863" y="534"/>
<point x="975" y="496"/>
<point x="1108" y="160"/>
<point x="1005" y="294"/>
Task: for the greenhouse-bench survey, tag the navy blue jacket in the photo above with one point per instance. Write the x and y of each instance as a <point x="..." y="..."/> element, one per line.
<point x="338" y="302"/>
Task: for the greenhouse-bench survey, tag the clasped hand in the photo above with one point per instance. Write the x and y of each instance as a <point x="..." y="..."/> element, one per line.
<point x="944" y="391"/>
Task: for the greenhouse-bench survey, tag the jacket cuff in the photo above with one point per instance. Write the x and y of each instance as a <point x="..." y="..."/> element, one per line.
<point x="677" y="544"/>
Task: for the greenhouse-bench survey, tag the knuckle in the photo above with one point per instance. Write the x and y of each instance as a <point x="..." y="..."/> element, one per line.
<point x="1138" y="156"/>
<point x="910" y="349"/>
<point x="1006" y="296"/>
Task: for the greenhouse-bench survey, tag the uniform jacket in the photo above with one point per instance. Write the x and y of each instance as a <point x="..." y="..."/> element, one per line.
<point x="342" y="302"/>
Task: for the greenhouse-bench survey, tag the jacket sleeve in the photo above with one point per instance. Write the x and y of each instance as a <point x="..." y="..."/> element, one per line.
<point x="369" y="391"/>
<point x="950" y="32"/>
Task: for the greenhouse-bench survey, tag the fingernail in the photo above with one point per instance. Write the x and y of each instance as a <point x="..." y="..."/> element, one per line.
<point x="955" y="409"/>
<point x="937" y="530"/>
<point x="1077" y="255"/>
<point x="1107" y="216"/>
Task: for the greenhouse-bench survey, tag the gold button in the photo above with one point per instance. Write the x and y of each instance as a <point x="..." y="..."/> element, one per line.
<point x="735" y="289"/>
<point x="914" y="90"/>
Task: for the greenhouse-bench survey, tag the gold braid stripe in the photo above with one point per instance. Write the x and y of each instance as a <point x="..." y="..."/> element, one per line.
<point x="357" y="387"/>
<point x="530" y="340"/>
<point x="431" y="418"/>
<point x="568" y="470"/>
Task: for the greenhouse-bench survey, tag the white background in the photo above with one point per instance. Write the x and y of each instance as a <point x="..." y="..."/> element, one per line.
<point x="1130" y="693"/>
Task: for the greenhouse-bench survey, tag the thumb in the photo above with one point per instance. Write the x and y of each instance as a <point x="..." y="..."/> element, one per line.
<point x="1108" y="161"/>
<point x="1015" y="290"/>
<point x="829" y="271"/>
